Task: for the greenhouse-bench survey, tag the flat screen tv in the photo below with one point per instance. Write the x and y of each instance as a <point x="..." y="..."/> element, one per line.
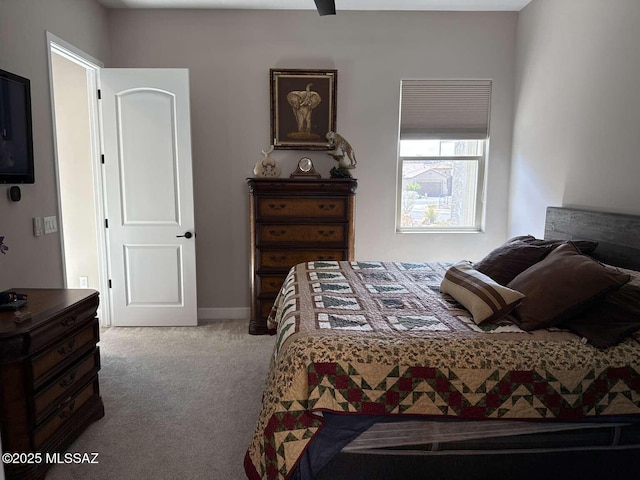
<point x="16" y="137"/>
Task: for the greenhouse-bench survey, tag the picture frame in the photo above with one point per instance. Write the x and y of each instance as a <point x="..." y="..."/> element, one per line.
<point x="303" y="108"/>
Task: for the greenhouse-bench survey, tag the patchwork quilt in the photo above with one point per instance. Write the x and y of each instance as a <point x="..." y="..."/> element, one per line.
<point x="379" y="338"/>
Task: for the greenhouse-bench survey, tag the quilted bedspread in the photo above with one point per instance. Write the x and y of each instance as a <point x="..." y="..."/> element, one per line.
<point x="379" y="338"/>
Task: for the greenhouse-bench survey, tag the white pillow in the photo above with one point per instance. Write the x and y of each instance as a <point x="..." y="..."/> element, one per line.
<point x="486" y="299"/>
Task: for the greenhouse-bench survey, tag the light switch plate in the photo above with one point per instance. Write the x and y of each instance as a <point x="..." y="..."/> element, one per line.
<point x="50" y="225"/>
<point x="37" y="226"/>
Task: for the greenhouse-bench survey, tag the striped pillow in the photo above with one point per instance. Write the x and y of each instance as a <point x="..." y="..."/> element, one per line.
<point x="486" y="299"/>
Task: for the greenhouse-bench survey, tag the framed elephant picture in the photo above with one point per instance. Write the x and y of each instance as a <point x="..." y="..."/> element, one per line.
<point x="303" y="108"/>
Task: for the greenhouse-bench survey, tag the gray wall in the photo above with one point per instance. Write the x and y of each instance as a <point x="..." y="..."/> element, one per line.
<point x="576" y="137"/>
<point x="229" y="54"/>
<point x="31" y="261"/>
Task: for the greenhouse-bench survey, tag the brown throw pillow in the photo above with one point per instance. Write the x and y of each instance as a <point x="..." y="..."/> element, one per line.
<point x="485" y="299"/>
<point x="560" y="286"/>
<point x="610" y="321"/>
<point x="510" y="259"/>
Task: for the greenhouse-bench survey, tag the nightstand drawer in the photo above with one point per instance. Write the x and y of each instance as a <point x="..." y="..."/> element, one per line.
<point x="56" y="357"/>
<point x="299" y="234"/>
<point x="79" y="372"/>
<point x="302" y="207"/>
<point x="288" y="258"/>
<point x="65" y="412"/>
<point x="66" y="322"/>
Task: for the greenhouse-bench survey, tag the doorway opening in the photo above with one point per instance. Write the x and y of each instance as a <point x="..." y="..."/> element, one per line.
<point x="73" y="77"/>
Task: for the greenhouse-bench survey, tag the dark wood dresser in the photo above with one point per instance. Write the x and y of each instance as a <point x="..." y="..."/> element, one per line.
<point x="295" y="221"/>
<point x="49" y="366"/>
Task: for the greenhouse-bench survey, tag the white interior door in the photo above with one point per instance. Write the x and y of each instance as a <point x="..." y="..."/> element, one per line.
<point x="149" y="189"/>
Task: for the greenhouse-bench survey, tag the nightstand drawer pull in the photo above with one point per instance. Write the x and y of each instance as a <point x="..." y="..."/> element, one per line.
<point x="68" y="348"/>
<point x="67" y="410"/>
<point x="69" y="379"/>
<point x="69" y="322"/>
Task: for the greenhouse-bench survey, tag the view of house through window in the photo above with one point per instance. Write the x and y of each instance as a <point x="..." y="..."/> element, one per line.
<point x="440" y="183"/>
<point x="444" y="131"/>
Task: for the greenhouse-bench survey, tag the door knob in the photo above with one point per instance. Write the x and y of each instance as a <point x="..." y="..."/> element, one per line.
<point x="186" y="235"/>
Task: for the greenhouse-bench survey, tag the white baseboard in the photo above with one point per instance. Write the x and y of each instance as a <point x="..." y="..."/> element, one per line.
<point x="238" y="313"/>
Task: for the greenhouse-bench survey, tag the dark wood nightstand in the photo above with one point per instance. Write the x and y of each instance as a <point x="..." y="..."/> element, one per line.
<point x="49" y="364"/>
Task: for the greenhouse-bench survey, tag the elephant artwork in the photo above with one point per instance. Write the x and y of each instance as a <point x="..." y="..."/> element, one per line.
<point x="303" y="108"/>
<point x="303" y="102"/>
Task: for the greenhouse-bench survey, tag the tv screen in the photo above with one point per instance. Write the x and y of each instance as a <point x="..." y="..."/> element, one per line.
<point x="16" y="138"/>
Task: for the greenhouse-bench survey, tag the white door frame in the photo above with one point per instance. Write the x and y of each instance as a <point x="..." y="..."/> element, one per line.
<point x="92" y="66"/>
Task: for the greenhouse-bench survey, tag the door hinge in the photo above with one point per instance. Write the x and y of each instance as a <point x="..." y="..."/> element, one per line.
<point x="99" y="94"/>
<point x="109" y="283"/>
<point x="106" y="223"/>
<point x="102" y="158"/>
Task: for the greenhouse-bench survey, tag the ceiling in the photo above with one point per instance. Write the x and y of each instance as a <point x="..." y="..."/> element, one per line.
<point x="444" y="5"/>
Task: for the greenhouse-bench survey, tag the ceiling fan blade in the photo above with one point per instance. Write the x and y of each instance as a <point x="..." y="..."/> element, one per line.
<point x="326" y="7"/>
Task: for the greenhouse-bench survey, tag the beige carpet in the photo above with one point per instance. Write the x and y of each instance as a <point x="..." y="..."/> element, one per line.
<point x="180" y="403"/>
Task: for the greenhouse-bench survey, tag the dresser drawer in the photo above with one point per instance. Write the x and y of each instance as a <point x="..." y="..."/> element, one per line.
<point x="302" y="207"/>
<point x="59" y="355"/>
<point x="288" y="258"/>
<point x="264" y="307"/>
<point x="279" y="234"/>
<point x="271" y="284"/>
<point x="79" y="372"/>
<point x="65" y="412"/>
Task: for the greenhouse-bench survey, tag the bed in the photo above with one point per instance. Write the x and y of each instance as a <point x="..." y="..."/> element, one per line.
<point x="377" y="373"/>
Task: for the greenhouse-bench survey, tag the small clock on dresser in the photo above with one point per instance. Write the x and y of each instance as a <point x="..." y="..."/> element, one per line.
<point x="305" y="169"/>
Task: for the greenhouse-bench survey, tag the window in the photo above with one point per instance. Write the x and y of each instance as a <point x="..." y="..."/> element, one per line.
<point x="444" y="133"/>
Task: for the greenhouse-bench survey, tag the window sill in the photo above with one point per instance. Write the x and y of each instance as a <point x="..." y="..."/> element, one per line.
<point x="439" y="230"/>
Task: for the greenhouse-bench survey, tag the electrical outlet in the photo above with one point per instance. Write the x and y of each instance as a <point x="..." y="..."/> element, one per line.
<point x="84" y="282"/>
<point x="37" y="227"/>
<point x="50" y="225"/>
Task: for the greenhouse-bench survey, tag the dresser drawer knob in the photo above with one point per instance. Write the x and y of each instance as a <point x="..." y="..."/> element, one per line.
<point x="324" y="233"/>
<point x="67" y="410"/>
<point x="331" y="206"/>
<point x="277" y="207"/>
<point x="69" y="321"/>
<point x="277" y="233"/>
<point x="275" y="258"/>
<point x="68" y="380"/>
<point x="68" y="348"/>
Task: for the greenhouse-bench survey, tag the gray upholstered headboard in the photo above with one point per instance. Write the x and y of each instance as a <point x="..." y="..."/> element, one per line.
<point x="618" y="235"/>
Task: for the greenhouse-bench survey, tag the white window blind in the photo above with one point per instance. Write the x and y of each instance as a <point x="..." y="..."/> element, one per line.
<point x="445" y="109"/>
